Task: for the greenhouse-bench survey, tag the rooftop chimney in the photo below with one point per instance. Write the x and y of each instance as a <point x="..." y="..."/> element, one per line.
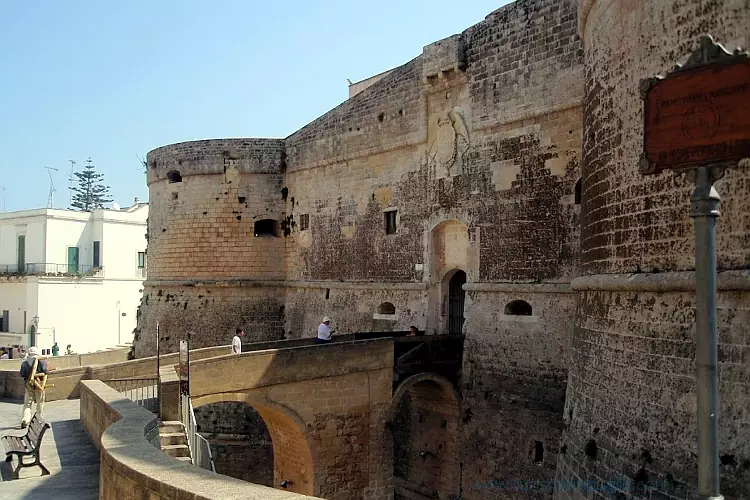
<point x="137" y="201"/>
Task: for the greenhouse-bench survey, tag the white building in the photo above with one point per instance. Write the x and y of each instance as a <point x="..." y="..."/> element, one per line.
<point x="71" y="277"/>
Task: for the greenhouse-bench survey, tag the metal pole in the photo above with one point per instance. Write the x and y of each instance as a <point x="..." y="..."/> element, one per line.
<point x="704" y="209"/>
<point x="158" y="367"/>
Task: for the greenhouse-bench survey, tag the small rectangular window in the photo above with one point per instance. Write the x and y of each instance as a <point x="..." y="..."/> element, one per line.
<point x="141" y="260"/>
<point x="97" y="249"/>
<point x="390" y="222"/>
<point x="304" y="222"/>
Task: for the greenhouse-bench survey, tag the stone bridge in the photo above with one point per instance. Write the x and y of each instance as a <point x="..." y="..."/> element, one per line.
<point x="335" y="411"/>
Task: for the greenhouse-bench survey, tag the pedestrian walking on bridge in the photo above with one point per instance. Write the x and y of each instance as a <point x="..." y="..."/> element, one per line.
<point x="324" y="331"/>
<point x="237" y="341"/>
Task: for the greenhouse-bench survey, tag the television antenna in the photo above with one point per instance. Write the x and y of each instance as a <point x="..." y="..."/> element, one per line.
<point x="51" y="196"/>
<point x="70" y="180"/>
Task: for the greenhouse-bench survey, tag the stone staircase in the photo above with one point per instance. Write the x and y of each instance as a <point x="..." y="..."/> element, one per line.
<point x="173" y="440"/>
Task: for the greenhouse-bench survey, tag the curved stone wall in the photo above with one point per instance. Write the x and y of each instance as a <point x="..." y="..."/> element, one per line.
<point x="630" y="406"/>
<point x="131" y="467"/>
<point x="631" y="222"/>
<point x="207" y="200"/>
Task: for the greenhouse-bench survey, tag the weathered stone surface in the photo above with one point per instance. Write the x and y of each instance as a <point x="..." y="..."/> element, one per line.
<point x="631" y="402"/>
<point x="475" y="145"/>
<point x="481" y="151"/>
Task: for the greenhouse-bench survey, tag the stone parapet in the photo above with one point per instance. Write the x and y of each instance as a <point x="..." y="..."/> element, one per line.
<point x="63" y="383"/>
<point x="74" y="360"/>
<point x="132" y="468"/>
<point x="261" y="156"/>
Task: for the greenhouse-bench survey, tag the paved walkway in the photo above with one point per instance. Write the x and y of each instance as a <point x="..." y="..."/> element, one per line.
<point x="67" y="452"/>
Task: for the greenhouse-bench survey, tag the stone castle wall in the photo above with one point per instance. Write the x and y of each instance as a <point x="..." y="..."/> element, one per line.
<point x="631" y="401"/>
<point x="475" y="145"/>
<point x="206" y="197"/>
<point x="507" y="152"/>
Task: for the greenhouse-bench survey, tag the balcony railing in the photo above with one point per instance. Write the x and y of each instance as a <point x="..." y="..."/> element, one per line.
<point x="49" y="269"/>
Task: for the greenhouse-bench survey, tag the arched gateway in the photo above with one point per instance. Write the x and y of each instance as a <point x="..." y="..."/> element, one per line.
<point x="292" y="455"/>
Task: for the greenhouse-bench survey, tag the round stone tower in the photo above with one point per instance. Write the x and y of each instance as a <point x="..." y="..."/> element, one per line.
<point x="215" y="243"/>
<point x="631" y="400"/>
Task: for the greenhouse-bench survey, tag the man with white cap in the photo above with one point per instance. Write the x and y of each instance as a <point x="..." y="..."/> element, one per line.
<point x="324" y="331"/>
<point x="33" y="394"/>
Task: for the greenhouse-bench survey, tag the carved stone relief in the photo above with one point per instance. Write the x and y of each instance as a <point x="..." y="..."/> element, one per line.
<point x="446" y="155"/>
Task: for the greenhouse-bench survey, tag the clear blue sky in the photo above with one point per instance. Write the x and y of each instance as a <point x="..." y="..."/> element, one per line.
<point x="113" y="80"/>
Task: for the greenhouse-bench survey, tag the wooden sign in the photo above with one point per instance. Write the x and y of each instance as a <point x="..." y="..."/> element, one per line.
<point x="700" y="113"/>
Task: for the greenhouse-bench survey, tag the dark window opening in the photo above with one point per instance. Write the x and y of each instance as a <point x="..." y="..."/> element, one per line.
<point x="578" y="192"/>
<point x="266" y="228"/>
<point x="390" y="222"/>
<point x="141" y="260"/>
<point x="538" y="452"/>
<point x="175" y="196"/>
<point x="304" y="222"/>
<point x="328" y="293"/>
<point x="386" y="308"/>
<point x="174" y="176"/>
<point x="97" y="253"/>
<point x="5" y="324"/>
<point x="518" y="308"/>
<point x="591" y="449"/>
<point x="381" y="117"/>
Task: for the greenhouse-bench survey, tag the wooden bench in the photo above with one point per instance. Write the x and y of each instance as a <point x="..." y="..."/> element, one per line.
<point x="26" y="444"/>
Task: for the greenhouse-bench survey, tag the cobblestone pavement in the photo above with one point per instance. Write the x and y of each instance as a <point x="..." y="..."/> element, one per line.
<point x="67" y="452"/>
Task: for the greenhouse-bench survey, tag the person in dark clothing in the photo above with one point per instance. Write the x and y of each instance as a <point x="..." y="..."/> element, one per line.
<point x="32" y="394"/>
<point x="413" y="332"/>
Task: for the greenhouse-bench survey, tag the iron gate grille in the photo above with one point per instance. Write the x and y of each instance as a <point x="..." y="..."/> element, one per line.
<point x="456" y="295"/>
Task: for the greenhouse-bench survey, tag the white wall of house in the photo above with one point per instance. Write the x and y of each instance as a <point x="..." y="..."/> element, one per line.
<point x="67" y="229"/>
<point x="27" y="223"/>
<point x="86" y="314"/>
<point x="122" y="242"/>
<point x="86" y="310"/>
<point x="17" y="297"/>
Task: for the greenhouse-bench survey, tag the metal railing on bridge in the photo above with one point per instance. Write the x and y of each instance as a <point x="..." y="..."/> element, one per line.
<point x="143" y="391"/>
<point x="200" y="450"/>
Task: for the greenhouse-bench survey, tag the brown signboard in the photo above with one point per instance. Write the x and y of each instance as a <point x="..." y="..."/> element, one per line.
<point x="698" y="116"/>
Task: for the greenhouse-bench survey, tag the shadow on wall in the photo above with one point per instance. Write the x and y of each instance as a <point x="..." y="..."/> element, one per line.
<point x="240" y="441"/>
<point x="424" y="427"/>
<point x="132" y="468"/>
